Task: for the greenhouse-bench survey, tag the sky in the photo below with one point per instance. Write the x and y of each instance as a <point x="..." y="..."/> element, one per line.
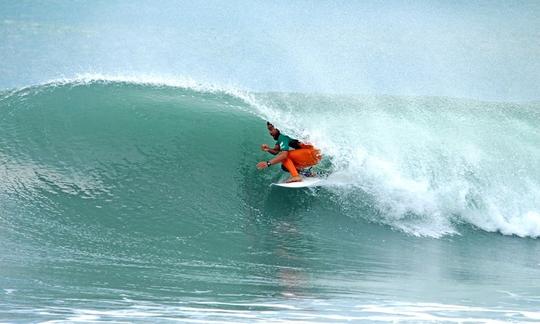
<point x="487" y="50"/>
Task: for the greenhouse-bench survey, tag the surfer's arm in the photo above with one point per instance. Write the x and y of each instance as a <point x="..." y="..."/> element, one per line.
<point x="279" y="158"/>
<point x="273" y="151"/>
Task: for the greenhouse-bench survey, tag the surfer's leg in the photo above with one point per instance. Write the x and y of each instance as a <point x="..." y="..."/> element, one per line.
<point x="283" y="168"/>
<point x="289" y="166"/>
<point x="300" y="158"/>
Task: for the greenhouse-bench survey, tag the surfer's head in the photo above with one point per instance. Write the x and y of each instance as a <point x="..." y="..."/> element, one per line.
<point x="274" y="132"/>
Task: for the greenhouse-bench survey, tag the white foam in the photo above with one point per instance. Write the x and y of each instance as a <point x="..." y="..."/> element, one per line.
<point x="423" y="163"/>
<point x="300" y="311"/>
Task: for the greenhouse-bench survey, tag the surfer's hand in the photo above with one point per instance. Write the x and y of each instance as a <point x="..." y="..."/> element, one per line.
<point x="265" y="147"/>
<point x="262" y="165"/>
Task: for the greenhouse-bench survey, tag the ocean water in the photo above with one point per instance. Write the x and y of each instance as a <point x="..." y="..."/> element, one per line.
<point x="124" y="200"/>
<point x="129" y="193"/>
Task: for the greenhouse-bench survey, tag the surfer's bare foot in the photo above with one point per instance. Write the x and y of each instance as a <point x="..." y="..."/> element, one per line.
<point x="294" y="179"/>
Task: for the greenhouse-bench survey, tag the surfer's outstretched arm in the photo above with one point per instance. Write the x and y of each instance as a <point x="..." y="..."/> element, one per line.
<point x="279" y="158"/>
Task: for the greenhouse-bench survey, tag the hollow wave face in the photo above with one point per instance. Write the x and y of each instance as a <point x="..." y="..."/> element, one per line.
<point x="149" y="152"/>
<point x="108" y="163"/>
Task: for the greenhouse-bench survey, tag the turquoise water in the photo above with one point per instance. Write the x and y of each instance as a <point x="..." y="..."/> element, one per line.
<point x="130" y="131"/>
<point x="132" y="201"/>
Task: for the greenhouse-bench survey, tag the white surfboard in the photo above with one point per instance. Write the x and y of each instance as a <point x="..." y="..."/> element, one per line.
<point x="306" y="182"/>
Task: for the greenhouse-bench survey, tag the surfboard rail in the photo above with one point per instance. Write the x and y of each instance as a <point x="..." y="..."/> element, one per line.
<point x="306" y="182"/>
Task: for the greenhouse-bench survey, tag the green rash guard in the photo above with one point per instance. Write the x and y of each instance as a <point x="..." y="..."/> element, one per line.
<point x="283" y="142"/>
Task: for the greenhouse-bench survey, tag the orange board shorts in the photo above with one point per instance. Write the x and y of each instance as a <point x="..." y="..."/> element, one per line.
<point x="303" y="157"/>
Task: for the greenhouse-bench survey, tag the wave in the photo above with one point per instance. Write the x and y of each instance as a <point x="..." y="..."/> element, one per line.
<point x="112" y="146"/>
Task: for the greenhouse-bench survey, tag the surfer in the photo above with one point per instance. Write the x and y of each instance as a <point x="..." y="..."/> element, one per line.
<point x="293" y="154"/>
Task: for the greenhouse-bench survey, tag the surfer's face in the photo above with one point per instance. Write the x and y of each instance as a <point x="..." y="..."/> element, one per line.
<point x="274" y="132"/>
